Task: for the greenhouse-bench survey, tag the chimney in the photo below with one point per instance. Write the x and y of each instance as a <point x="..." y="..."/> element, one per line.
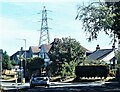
<point x="98" y="47"/>
<point x="21" y="51"/>
<point x="113" y="47"/>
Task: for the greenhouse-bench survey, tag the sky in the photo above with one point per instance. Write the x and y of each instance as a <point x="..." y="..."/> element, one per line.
<point x="20" y="20"/>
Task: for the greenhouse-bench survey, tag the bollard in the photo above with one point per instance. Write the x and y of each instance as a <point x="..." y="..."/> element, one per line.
<point x="23" y="81"/>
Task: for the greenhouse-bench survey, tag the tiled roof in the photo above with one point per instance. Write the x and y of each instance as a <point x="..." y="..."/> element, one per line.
<point x="35" y="49"/>
<point x="99" y="54"/>
<point x="46" y="47"/>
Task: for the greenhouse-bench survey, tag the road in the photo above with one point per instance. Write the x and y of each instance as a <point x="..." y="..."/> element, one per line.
<point x="67" y="87"/>
<point x="58" y="84"/>
<point x="12" y="85"/>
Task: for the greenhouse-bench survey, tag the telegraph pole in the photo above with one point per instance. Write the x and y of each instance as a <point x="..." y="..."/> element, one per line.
<point x="44" y="32"/>
<point x="24" y="58"/>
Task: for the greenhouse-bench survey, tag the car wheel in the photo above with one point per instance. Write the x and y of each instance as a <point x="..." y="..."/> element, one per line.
<point x="48" y="86"/>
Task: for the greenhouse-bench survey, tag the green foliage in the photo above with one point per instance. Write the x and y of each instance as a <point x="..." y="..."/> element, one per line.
<point x="98" y="17"/>
<point x="13" y="62"/>
<point x="111" y="73"/>
<point x="64" y="54"/>
<point x="35" y="64"/>
<point x="5" y="60"/>
<point x="118" y="57"/>
<point x="97" y="62"/>
<point x="7" y="63"/>
<point x="115" y="10"/>
<point x="68" y="68"/>
<point x="54" y="68"/>
<point x="93" y="62"/>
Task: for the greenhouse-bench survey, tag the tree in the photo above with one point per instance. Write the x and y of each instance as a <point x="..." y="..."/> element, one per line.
<point x="68" y="68"/>
<point x="35" y="64"/>
<point x="13" y="62"/>
<point x="5" y="60"/>
<point x="7" y="63"/>
<point x="63" y="52"/>
<point x="115" y="11"/>
<point x="118" y="57"/>
<point x="98" y="17"/>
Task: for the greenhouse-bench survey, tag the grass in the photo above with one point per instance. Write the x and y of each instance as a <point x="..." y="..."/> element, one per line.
<point x="58" y="78"/>
<point x="55" y="78"/>
<point x="109" y="78"/>
<point x="7" y="77"/>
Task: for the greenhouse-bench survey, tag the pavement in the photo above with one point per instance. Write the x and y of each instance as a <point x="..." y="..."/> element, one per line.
<point x="16" y="86"/>
<point x="9" y="85"/>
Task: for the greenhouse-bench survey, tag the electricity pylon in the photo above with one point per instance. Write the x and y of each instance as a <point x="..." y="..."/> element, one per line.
<point x="44" y="32"/>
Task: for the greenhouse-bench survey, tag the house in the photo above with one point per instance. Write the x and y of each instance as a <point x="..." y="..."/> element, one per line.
<point x="16" y="55"/>
<point x="34" y="51"/>
<point x="107" y="55"/>
<point x="44" y="50"/>
<point x="38" y="51"/>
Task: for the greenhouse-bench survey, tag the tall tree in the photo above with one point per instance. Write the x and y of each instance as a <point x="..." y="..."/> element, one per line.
<point x="7" y="63"/>
<point x="118" y="57"/>
<point x="64" y="50"/>
<point x="101" y="16"/>
<point x="35" y="64"/>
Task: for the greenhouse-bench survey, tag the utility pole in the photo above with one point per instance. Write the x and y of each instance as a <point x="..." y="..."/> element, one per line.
<point x="44" y="32"/>
<point x="1" y="58"/>
<point x="24" y="58"/>
<point x="114" y="61"/>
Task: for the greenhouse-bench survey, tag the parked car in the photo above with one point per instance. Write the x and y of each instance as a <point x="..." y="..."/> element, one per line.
<point x="39" y="81"/>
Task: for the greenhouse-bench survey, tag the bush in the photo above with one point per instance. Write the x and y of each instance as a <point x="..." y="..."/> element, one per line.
<point x="68" y="69"/>
<point x="111" y="73"/>
<point x="91" y="71"/>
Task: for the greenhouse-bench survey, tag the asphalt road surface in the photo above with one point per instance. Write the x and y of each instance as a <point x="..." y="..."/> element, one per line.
<point x="74" y="87"/>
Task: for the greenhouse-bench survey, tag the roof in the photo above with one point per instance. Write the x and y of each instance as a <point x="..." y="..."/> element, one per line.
<point x="35" y="49"/>
<point x="18" y="52"/>
<point x="47" y="47"/>
<point x="99" y="54"/>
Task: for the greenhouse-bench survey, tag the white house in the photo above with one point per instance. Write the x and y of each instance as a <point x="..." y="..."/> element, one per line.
<point x="107" y="55"/>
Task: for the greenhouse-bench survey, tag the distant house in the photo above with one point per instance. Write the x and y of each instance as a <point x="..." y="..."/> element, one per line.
<point x="44" y="50"/>
<point x="17" y="55"/>
<point x="106" y="55"/>
<point x="34" y="51"/>
<point x="38" y="51"/>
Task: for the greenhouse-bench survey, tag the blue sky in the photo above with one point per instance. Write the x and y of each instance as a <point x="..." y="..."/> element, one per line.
<point x="20" y="20"/>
